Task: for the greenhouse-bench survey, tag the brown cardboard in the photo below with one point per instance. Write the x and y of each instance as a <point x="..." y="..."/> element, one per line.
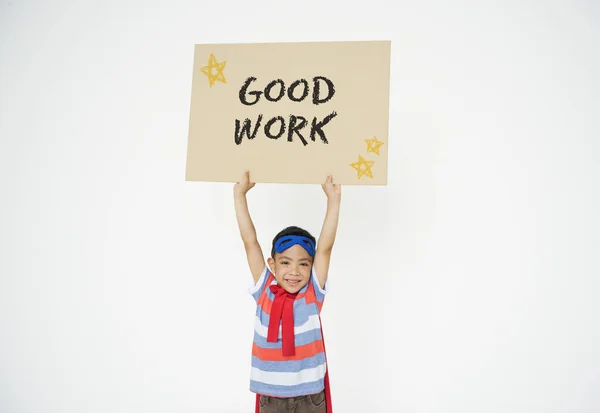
<point x="354" y="145"/>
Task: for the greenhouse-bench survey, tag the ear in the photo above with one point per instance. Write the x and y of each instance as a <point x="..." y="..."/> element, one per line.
<point x="271" y="263"/>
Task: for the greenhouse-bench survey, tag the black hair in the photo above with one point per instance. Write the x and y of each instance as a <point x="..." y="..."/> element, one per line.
<point x="291" y="231"/>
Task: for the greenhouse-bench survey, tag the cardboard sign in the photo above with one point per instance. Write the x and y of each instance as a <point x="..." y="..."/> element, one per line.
<point x="290" y="112"/>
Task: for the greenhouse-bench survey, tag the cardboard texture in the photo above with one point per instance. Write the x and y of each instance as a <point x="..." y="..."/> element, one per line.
<point x="290" y="112"/>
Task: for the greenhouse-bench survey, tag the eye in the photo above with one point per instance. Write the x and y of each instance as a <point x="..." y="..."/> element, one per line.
<point x="304" y="264"/>
<point x="284" y="262"/>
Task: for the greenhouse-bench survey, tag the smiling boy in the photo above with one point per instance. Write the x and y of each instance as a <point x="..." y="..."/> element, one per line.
<point x="289" y="365"/>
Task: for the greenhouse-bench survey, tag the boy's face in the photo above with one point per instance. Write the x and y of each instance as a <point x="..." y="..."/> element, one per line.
<point x="292" y="268"/>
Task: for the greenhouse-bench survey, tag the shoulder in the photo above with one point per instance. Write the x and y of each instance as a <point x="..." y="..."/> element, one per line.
<point x="265" y="279"/>
<point x="314" y="293"/>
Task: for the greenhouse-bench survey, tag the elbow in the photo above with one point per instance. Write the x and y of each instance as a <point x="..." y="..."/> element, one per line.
<point x="326" y="249"/>
<point x="250" y="242"/>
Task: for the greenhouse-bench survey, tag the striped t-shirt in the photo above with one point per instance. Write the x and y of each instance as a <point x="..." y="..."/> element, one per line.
<point x="273" y="374"/>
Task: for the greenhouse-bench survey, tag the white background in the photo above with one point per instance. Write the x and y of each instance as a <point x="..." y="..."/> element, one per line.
<point x="469" y="284"/>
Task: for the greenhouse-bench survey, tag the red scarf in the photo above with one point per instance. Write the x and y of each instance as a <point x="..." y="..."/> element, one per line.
<point x="283" y="310"/>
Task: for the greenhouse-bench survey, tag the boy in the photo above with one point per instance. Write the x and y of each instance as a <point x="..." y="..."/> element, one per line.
<point x="289" y="366"/>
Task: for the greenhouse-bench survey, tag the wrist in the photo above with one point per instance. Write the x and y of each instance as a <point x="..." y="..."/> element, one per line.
<point x="239" y="195"/>
<point x="333" y="200"/>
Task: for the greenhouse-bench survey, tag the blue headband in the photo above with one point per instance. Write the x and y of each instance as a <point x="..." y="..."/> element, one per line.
<point x="287" y="241"/>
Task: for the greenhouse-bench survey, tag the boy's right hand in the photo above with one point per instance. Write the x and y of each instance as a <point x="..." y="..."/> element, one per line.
<point x="244" y="185"/>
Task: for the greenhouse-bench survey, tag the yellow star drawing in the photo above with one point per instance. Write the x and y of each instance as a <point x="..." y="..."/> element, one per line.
<point x="214" y="65"/>
<point x="373" y="145"/>
<point x="363" y="167"/>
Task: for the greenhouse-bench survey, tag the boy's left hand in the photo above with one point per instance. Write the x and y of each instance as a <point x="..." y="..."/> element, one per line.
<point x="333" y="191"/>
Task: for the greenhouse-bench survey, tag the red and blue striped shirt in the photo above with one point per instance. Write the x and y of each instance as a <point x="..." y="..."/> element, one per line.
<point x="273" y="374"/>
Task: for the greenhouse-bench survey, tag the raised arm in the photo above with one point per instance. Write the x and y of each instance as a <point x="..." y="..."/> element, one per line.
<point x="329" y="230"/>
<point x="256" y="260"/>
